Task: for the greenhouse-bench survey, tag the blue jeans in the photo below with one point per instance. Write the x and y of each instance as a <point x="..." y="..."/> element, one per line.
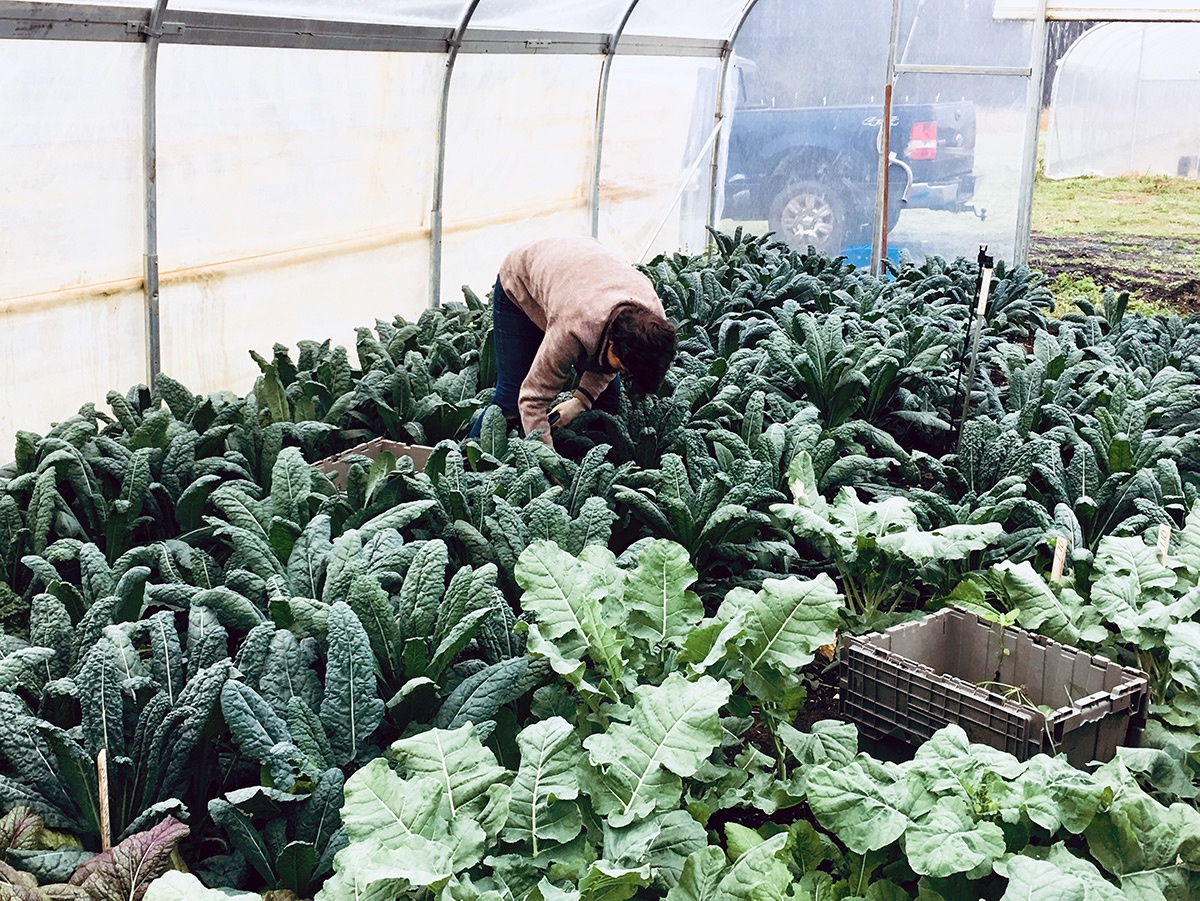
<point x="517" y="339"/>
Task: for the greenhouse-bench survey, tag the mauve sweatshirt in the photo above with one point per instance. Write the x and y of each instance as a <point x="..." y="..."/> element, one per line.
<point x="571" y="287"/>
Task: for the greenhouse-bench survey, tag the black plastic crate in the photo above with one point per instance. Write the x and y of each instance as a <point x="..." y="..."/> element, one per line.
<point x="955" y="667"/>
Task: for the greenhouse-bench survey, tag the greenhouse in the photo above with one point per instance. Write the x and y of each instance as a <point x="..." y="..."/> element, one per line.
<point x="548" y="449"/>
<point x="1128" y="99"/>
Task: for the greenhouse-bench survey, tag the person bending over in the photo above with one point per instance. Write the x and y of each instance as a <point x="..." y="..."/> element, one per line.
<point x="565" y="306"/>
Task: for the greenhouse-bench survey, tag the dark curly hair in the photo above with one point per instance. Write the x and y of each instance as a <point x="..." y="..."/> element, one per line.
<point x="644" y="342"/>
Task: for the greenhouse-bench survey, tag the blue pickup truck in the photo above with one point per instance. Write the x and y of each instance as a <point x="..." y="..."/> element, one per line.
<point x="811" y="172"/>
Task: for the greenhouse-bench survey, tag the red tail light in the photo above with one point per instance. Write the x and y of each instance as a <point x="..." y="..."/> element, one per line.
<point x="922" y="141"/>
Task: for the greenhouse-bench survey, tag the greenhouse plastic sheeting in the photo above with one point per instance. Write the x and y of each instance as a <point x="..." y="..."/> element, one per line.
<point x="999" y="148"/>
<point x="294" y="190"/>
<point x="71" y="254"/>
<point x="1127" y="100"/>
<point x="698" y="19"/>
<point x="385" y="12"/>
<point x="513" y="172"/>
<point x="953" y="32"/>
<point x="648" y="174"/>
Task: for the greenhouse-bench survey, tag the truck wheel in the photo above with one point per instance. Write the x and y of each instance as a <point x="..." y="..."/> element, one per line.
<point x="808" y="212"/>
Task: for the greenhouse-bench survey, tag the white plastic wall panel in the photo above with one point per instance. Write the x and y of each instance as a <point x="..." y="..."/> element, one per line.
<point x="550" y="15"/>
<point x="693" y="19"/>
<point x="294" y="190"/>
<point x="999" y="153"/>
<point x="519" y="158"/>
<point x="71" y="158"/>
<point x="660" y="114"/>
<point x="70" y="229"/>
<point x="61" y="351"/>
<point x="1127" y="99"/>
<point x="386" y="12"/>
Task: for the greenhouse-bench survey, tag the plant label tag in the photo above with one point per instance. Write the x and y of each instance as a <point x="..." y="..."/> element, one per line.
<point x="985" y="287"/>
<point x="1060" y="558"/>
<point x="1164" y="542"/>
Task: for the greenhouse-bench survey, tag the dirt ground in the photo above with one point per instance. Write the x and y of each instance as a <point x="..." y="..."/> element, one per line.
<point x="1163" y="271"/>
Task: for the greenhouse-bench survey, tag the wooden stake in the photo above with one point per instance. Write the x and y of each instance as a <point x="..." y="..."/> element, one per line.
<point x="1060" y="558"/>
<point x="105" y="816"/>
<point x="1164" y="542"/>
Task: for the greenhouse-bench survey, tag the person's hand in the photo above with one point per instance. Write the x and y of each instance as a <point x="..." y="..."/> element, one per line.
<point x="566" y="411"/>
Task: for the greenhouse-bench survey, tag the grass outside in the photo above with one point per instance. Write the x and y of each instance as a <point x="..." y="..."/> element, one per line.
<point x="1136" y="233"/>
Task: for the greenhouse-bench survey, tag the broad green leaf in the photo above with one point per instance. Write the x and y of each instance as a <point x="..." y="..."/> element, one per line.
<point x="664" y="840"/>
<point x="1188" y="549"/>
<point x="566" y="595"/>
<point x="372" y="870"/>
<point x="786" y="621"/>
<point x="28" y="667"/>
<point x="424" y="585"/>
<point x="948" y="840"/>
<point x="1183" y="641"/>
<point x="701" y="877"/>
<point x="1052" y="793"/>
<point x="864" y="814"/>
<point x="951" y="542"/>
<point x="244" y="837"/>
<point x="102" y="701"/>
<point x="396" y="518"/>
<point x="345" y="564"/>
<point x="288" y="673"/>
<point x="350" y="708"/>
<point x="454" y="758"/>
<point x="242" y="510"/>
<point x="1060" y="876"/>
<point x="663" y="610"/>
<point x="672" y="730"/>
<point x="455" y="640"/>
<point x="1151" y="849"/>
<point x="373" y="608"/>
<point x="309" y="557"/>
<point x="759" y="874"/>
<point x="542" y="806"/>
<point x="291" y="482"/>
<point x="255" y="727"/>
<point x="232" y="609"/>
<point x="827" y="741"/>
<point x="176" y="886"/>
<point x="296" y="863"/>
<point x="383" y="807"/>
<point x="166" y="654"/>
<point x="481" y="695"/>
<point x="607" y="882"/>
<point x="1058" y="613"/>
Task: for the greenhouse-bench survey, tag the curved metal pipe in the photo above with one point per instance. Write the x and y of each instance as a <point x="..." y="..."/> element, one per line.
<point x="601" y="113"/>
<point x="714" y="169"/>
<point x="153" y="34"/>
<point x="439" y="170"/>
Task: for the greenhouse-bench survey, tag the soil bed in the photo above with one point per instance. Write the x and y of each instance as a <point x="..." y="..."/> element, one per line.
<point x="1164" y="271"/>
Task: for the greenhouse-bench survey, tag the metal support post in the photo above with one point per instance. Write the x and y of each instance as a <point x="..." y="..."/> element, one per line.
<point x="1033" y="114"/>
<point x="153" y="35"/>
<point x="879" y="233"/>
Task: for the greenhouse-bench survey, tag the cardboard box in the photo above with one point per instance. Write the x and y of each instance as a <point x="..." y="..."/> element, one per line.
<point x="338" y="466"/>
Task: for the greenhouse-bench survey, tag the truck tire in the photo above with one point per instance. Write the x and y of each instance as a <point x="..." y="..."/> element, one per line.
<point x="806" y="213"/>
